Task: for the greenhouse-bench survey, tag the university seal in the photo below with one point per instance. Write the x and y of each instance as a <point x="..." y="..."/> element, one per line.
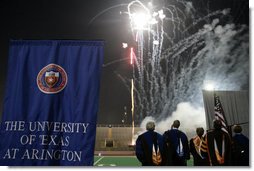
<point x="52" y="79"/>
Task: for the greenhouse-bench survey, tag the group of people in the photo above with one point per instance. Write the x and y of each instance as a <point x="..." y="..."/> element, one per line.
<point x="215" y="148"/>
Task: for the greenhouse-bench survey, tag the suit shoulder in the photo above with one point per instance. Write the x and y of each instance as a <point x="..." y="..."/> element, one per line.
<point x="182" y="133"/>
<point x="166" y="132"/>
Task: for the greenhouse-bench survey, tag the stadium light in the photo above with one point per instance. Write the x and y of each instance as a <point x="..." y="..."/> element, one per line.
<point x="209" y="86"/>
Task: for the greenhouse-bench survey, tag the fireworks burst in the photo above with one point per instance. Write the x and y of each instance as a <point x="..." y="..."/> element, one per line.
<point x="177" y="50"/>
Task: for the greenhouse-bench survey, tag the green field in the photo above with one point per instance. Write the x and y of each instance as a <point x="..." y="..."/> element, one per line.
<point x="105" y="161"/>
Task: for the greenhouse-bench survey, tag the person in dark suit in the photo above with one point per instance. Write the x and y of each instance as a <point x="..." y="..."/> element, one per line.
<point x="195" y="145"/>
<point x="177" y="146"/>
<point x="216" y="147"/>
<point x="240" y="147"/>
<point x="150" y="147"/>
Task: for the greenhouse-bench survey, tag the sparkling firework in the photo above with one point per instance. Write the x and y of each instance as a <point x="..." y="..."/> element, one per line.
<point x="178" y="48"/>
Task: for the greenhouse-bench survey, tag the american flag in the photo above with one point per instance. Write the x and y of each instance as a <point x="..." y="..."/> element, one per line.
<point x="219" y="113"/>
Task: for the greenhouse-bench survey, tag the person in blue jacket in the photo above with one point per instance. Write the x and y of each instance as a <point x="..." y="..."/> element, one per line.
<point x="177" y="146"/>
<point x="149" y="147"/>
<point x="240" y="147"/>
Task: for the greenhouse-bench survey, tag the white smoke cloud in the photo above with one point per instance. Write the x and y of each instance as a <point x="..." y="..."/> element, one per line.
<point x="189" y="116"/>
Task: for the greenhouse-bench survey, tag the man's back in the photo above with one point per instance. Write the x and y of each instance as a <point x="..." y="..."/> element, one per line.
<point x="144" y="147"/>
<point x="178" y="148"/>
<point x="240" y="150"/>
<point x="218" y="148"/>
<point x="195" y="144"/>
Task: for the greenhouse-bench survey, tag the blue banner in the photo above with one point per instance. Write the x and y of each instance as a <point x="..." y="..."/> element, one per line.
<point x="51" y="103"/>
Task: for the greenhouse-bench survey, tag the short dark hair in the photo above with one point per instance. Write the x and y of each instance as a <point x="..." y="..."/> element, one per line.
<point x="200" y="131"/>
<point x="176" y="123"/>
<point x="217" y="124"/>
<point x="237" y="129"/>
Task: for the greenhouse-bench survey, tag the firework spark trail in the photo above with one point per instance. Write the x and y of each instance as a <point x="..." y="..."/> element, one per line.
<point x="157" y="83"/>
<point x="212" y="71"/>
<point x="186" y="40"/>
<point x="154" y="88"/>
<point x="184" y="55"/>
<point x="132" y="109"/>
<point x="218" y="12"/>
<point x="115" y="61"/>
<point x="104" y="11"/>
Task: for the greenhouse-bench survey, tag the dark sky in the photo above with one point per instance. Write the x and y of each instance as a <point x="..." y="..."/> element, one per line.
<point x="75" y="19"/>
<point x="83" y="19"/>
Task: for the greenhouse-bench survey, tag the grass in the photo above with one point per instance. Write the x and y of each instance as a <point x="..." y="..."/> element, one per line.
<point x="129" y="161"/>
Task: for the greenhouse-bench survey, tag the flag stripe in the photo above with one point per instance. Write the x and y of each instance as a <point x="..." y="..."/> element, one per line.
<point x="219" y="113"/>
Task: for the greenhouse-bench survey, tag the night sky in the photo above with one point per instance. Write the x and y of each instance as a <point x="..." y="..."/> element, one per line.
<point x="88" y="20"/>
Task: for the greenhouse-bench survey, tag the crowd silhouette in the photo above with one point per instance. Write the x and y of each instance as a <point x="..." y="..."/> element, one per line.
<point x="216" y="147"/>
